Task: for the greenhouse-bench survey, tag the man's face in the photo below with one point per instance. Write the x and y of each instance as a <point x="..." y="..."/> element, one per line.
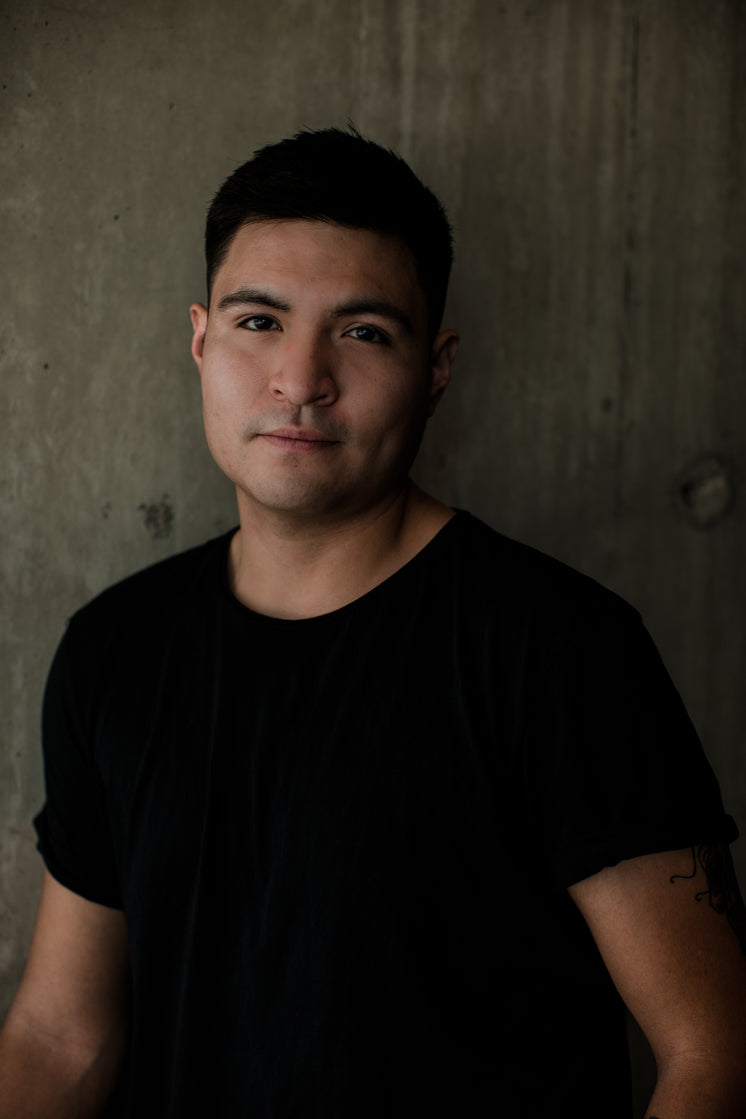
<point x="316" y="367"/>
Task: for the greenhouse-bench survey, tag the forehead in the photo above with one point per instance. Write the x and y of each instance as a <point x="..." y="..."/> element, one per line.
<point x="321" y="257"/>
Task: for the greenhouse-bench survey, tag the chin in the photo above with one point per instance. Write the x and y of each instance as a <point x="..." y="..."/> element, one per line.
<point x="293" y="500"/>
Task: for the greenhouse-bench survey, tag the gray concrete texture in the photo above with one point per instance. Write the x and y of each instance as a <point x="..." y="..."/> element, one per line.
<point x="591" y="153"/>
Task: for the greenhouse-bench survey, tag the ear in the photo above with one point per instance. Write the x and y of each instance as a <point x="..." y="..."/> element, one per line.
<point x="441" y="360"/>
<point x="198" y="314"/>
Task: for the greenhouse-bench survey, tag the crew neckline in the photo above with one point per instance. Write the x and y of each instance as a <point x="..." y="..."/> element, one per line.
<point x="360" y="603"/>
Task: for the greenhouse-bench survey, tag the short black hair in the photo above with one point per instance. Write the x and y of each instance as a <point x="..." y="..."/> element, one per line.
<point x="340" y="177"/>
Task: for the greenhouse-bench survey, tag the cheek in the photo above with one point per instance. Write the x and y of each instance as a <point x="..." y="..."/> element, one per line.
<point x="393" y="419"/>
<point x="228" y="385"/>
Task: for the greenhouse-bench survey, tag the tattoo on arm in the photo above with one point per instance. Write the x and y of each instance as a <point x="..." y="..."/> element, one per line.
<point x="722" y="888"/>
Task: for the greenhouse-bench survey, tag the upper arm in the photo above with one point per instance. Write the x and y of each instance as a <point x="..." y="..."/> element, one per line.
<point x="76" y="978"/>
<point x="671" y="929"/>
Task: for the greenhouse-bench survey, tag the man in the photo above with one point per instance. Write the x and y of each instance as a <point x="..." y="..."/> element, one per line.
<point x="362" y="809"/>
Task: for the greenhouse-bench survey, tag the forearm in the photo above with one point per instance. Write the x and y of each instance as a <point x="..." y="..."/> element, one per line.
<point x="700" y="1087"/>
<point x="44" y="1075"/>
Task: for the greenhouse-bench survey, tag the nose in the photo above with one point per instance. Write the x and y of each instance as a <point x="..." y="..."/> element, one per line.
<point x="303" y="373"/>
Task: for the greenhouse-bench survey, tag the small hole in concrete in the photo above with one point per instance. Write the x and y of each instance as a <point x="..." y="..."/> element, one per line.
<point x="703" y="491"/>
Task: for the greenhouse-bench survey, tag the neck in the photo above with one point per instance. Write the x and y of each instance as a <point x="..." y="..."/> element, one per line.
<point x="292" y="568"/>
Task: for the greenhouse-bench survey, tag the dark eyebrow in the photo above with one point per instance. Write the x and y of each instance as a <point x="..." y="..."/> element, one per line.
<point x="252" y="295"/>
<point x="372" y="306"/>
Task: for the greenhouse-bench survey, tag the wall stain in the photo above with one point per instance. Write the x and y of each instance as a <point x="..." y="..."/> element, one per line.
<point x="158" y="518"/>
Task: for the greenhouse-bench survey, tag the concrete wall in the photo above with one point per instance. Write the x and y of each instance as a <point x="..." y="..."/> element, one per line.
<point x="592" y="156"/>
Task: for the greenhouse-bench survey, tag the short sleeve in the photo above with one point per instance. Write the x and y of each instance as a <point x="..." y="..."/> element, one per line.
<point x="74" y="836"/>
<point x="614" y="766"/>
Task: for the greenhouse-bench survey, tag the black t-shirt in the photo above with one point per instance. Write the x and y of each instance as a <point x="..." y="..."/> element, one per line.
<point x="342" y="844"/>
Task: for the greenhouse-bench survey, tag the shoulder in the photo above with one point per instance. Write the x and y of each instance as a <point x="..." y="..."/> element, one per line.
<point x="518" y="580"/>
<point x="153" y="596"/>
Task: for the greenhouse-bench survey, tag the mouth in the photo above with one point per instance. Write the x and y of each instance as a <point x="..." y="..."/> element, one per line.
<point x="297" y="440"/>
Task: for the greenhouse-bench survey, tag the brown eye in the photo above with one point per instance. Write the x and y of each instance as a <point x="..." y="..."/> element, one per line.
<point x="259" y="322"/>
<point x="367" y="334"/>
